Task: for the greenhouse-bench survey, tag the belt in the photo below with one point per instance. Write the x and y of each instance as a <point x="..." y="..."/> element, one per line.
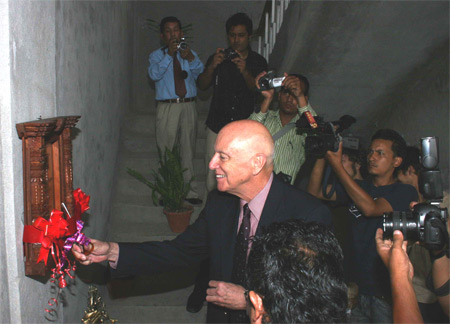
<point x="178" y="100"/>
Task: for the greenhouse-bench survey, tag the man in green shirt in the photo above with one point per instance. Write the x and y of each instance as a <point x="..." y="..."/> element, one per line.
<point x="293" y="102"/>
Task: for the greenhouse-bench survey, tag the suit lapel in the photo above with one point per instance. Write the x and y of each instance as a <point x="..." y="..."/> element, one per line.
<point x="229" y="225"/>
<point x="271" y="207"/>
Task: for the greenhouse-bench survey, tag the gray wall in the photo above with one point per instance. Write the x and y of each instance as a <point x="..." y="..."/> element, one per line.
<point x="62" y="58"/>
<point x="386" y="63"/>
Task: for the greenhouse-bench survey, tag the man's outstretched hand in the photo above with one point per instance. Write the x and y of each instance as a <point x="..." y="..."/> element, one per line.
<point x="100" y="251"/>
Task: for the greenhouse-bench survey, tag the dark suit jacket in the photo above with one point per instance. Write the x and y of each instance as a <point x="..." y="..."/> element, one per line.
<point x="213" y="235"/>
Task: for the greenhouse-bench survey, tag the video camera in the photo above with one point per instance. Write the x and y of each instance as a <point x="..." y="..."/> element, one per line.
<point x="326" y="136"/>
<point x="270" y="81"/>
<point x="427" y="222"/>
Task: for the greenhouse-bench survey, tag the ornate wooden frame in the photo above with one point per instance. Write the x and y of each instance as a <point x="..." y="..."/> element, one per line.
<point x="47" y="175"/>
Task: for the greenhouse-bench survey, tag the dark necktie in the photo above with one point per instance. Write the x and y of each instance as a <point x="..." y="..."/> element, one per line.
<point x="240" y="262"/>
<point x="180" y="86"/>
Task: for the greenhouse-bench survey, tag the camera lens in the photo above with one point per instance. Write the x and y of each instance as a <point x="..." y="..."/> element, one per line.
<point x="406" y="222"/>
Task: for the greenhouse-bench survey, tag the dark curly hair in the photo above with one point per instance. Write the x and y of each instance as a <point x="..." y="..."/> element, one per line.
<point x="297" y="268"/>
<point x="239" y="18"/>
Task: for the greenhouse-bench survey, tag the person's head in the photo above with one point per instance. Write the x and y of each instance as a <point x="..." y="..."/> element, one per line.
<point x="287" y="102"/>
<point x="239" y="28"/>
<point x="386" y="153"/>
<point x="170" y="28"/>
<point x="243" y="159"/>
<point x="295" y="275"/>
<point x="408" y="171"/>
<point x="352" y="162"/>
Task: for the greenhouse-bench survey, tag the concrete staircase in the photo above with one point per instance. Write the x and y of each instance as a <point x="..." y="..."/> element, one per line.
<point x="157" y="298"/>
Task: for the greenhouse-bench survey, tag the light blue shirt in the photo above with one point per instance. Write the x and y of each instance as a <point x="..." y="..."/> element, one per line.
<point x="160" y="70"/>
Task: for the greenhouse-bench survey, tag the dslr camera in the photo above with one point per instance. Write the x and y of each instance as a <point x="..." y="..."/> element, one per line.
<point x="270" y="81"/>
<point x="427" y="223"/>
<point x="229" y="54"/>
<point x="326" y="136"/>
<point x="182" y="45"/>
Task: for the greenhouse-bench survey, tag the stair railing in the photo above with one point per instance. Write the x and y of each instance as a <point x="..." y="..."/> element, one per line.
<point x="269" y="26"/>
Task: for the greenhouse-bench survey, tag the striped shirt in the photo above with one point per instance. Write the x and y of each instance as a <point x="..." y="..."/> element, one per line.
<point x="290" y="148"/>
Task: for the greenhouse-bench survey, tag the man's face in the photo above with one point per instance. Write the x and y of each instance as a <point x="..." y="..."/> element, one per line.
<point x="238" y="38"/>
<point x="171" y="31"/>
<point x="232" y="163"/>
<point x="348" y="165"/>
<point x="288" y="104"/>
<point x="381" y="160"/>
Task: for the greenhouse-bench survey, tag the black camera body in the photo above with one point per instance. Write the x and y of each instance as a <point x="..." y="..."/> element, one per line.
<point x="427" y="223"/>
<point x="182" y="45"/>
<point x="326" y="136"/>
<point x="229" y="54"/>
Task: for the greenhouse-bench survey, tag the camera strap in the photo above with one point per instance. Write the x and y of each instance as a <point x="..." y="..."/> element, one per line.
<point x="286" y="128"/>
<point x="326" y="177"/>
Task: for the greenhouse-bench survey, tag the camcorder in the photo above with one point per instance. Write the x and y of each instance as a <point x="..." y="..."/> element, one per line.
<point x="326" y="136"/>
<point x="229" y="54"/>
<point x="182" y="45"/>
<point x="270" y="81"/>
<point x="427" y="223"/>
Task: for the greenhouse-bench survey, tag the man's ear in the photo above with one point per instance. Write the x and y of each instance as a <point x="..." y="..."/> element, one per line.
<point x="258" y="311"/>
<point x="258" y="163"/>
<point x="397" y="161"/>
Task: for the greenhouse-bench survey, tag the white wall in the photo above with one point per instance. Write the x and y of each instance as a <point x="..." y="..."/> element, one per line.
<point x="59" y="58"/>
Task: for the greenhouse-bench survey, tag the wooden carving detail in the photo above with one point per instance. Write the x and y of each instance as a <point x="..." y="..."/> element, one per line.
<point x="47" y="175"/>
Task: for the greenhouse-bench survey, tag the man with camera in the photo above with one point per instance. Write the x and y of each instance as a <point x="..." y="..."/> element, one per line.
<point x="368" y="200"/>
<point x="293" y="102"/>
<point x="232" y="73"/>
<point x="175" y="68"/>
<point x="422" y="258"/>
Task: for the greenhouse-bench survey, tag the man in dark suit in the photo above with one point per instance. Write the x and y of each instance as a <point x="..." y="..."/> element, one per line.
<point x="243" y="164"/>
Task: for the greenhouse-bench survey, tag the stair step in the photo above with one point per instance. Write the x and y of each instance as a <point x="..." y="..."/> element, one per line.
<point x="156" y="314"/>
<point x="144" y="124"/>
<point x="147" y="144"/>
<point x="127" y="185"/>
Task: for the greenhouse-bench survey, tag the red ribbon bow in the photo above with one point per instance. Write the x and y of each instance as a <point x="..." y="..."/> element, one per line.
<point x="46" y="232"/>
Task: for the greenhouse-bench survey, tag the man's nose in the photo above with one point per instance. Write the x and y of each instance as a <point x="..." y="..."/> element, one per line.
<point x="213" y="162"/>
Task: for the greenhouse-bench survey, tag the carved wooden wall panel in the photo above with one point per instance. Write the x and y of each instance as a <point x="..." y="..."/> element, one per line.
<point x="47" y="175"/>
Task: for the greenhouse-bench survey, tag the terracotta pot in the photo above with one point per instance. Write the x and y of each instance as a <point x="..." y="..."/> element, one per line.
<point x="179" y="221"/>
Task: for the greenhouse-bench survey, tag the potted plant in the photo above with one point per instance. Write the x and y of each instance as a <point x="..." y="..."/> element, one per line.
<point x="170" y="188"/>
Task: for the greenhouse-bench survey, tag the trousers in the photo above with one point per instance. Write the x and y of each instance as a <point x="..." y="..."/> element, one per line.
<point x="177" y="123"/>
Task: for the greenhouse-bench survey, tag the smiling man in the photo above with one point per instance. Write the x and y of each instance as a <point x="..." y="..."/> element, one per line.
<point x="249" y="199"/>
<point x="233" y="80"/>
<point x="368" y="200"/>
<point x="292" y="103"/>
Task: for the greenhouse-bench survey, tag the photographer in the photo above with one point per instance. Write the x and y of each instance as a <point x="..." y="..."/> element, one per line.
<point x="174" y="70"/>
<point x="293" y="102"/>
<point x="232" y="73"/>
<point x="419" y="254"/>
<point x="393" y="254"/>
<point x="368" y="200"/>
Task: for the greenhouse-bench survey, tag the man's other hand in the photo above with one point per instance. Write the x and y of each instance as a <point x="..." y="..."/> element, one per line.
<point x="101" y="251"/>
<point x="226" y="294"/>
<point x="267" y="94"/>
<point x="394" y="256"/>
<point x="186" y="54"/>
<point x="240" y="63"/>
<point x="217" y="59"/>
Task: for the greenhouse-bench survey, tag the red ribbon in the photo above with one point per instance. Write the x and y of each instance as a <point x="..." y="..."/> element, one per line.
<point x="46" y="232"/>
<point x="81" y="204"/>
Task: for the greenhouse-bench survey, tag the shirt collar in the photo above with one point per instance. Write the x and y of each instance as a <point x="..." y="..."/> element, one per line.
<point x="256" y="205"/>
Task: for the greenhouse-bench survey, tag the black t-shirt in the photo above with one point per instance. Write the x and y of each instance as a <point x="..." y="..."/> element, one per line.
<point x="232" y="100"/>
<point x="369" y="272"/>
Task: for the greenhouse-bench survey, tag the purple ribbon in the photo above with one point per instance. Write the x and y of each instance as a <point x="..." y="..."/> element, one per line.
<point x="77" y="238"/>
